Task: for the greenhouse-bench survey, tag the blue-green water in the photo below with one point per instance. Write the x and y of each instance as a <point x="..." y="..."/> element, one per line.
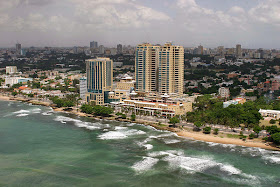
<point x="41" y="148"/>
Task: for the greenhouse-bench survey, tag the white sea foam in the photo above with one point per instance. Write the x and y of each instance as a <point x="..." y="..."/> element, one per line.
<point x="36" y="110"/>
<point x="120" y="133"/>
<point x="21" y="115"/>
<point x="272" y="159"/>
<point x="166" y="141"/>
<point x="21" y="111"/>
<point x="112" y="135"/>
<point x="230" y="169"/>
<point x="146" y="164"/>
<point x="212" y="144"/>
<point x="177" y="159"/>
<point x="120" y="128"/>
<point x="148" y="146"/>
<point x="46" y="113"/>
<point x="78" y="123"/>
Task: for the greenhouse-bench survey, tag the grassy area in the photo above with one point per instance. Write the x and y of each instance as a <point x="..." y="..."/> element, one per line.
<point x="233" y="136"/>
<point x="266" y="123"/>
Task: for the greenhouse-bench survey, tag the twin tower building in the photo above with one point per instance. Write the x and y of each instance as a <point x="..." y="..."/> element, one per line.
<point x="158" y="69"/>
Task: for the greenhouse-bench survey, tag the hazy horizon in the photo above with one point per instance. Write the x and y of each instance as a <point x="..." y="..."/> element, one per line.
<point x="252" y="23"/>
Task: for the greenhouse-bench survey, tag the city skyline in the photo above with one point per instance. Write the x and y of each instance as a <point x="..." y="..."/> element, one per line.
<point x="251" y="23"/>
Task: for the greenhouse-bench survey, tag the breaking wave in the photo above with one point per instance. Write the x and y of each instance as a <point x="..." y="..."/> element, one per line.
<point x="78" y="123"/>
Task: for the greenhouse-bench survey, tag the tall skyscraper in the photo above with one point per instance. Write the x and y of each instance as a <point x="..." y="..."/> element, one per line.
<point x="93" y="44"/>
<point x="238" y="51"/>
<point x="146" y="67"/>
<point x="159" y="69"/>
<point x="119" y="49"/>
<point x="99" y="79"/>
<point x="18" y="48"/>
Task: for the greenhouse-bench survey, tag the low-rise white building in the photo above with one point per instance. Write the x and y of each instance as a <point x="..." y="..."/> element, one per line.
<point x="270" y="113"/>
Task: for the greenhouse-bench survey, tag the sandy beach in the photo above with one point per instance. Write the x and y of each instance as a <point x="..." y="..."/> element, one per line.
<point x="180" y="132"/>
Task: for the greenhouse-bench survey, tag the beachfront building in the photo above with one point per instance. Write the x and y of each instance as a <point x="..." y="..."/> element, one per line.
<point x="99" y="80"/>
<point x="83" y="88"/>
<point x="163" y="106"/>
<point x="270" y="113"/>
<point x="159" y="69"/>
<point x="11" y="69"/>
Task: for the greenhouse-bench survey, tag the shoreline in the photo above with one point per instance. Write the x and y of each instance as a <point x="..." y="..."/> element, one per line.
<point x="181" y="133"/>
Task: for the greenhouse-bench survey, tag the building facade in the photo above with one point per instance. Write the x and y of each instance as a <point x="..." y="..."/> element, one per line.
<point x="224" y="92"/>
<point x="83" y="88"/>
<point x="159" y="68"/>
<point x="93" y="44"/>
<point x="238" y="51"/>
<point x="11" y="69"/>
<point x="99" y="80"/>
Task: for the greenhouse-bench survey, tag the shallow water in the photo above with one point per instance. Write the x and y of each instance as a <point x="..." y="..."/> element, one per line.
<point x="39" y="147"/>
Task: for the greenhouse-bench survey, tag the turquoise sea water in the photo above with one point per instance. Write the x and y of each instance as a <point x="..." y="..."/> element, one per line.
<point x="39" y="147"/>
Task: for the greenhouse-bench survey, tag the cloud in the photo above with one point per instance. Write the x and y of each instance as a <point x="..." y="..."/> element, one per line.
<point x="117" y="14"/>
<point x="133" y="21"/>
<point x="267" y="12"/>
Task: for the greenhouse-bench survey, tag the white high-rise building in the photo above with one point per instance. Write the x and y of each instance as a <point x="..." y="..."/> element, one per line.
<point x="83" y="88"/>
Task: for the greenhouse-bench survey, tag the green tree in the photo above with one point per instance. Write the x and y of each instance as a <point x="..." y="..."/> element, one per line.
<point x="133" y="117"/>
<point x="272" y="121"/>
<point x="87" y="109"/>
<point x="276" y="138"/>
<point x="123" y="116"/>
<point x="102" y="111"/>
<point x="174" y="120"/>
<point x="257" y="129"/>
<point x="207" y="130"/>
<point x="197" y="125"/>
<point x="14" y="93"/>
<point x="216" y="131"/>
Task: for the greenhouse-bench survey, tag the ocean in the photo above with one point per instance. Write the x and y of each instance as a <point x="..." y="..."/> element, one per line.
<point x="40" y="147"/>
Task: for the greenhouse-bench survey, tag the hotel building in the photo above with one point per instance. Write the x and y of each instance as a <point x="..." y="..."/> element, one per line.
<point x="99" y="80"/>
<point x="160" y="69"/>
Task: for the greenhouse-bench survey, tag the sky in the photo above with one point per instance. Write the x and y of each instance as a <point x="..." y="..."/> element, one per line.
<point x="211" y="23"/>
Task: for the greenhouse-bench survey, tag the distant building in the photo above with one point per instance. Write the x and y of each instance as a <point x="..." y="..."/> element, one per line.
<point x="224" y="92"/>
<point x="238" y="51"/>
<point x="234" y="102"/>
<point x="11" y="69"/>
<point x="15" y="80"/>
<point x="118" y="64"/>
<point x="119" y="49"/>
<point x="18" y="48"/>
<point x="99" y="80"/>
<point x="83" y="88"/>
<point x="200" y="50"/>
<point x="113" y="51"/>
<point x="101" y="49"/>
<point x="93" y="44"/>
<point x="221" y="51"/>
